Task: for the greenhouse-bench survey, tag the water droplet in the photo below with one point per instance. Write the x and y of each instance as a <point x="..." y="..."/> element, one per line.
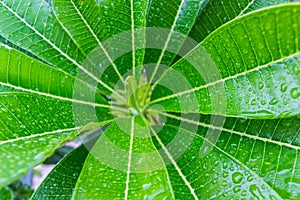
<point x="250" y="178"/>
<point x="225" y="165"/>
<point x="253" y="102"/>
<point x="271" y="197"/>
<point x="216" y="163"/>
<point x="225" y="174"/>
<point x="296" y="70"/>
<point x="274" y="101"/>
<point x="236" y="189"/>
<point x="244" y="193"/>
<point x="224" y="183"/>
<point x="284" y="87"/>
<point x="255" y="191"/>
<point x="295" y="92"/>
<point x="260" y="85"/>
<point x="225" y="194"/>
<point x="263" y="102"/>
<point x="237" y="177"/>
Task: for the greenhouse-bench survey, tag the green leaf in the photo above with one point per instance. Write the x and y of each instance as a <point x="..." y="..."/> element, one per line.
<point x="31" y="130"/>
<point x="6" y="194"/>
<point x="92" y="23"/>
<point x="208" y="131"/>
<point x="176" y="16"/>
<point x="257" y="4"/>
<point x="36" y="115"/>
<point x="252" y="158"/>
<point x="124" y="164"/>
<point x="33" y="27"/>
<point x="20" y="72"/>
<point x="42" y="35"/>
<point x="216" y="13"/>
<point x="63" y="177"/>
<point x="254" y="59"/>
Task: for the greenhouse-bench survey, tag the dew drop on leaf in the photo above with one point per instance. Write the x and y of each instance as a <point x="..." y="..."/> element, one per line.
<point x="250" y="178"/>
<point x="271" y="197"/>
<point x="295" y="93"/>
<point x="283" y="87"/>
<point x="274" y="101"/>
<point x="296" y="70"/>
<point x="237" y="177"/>
<point x="216" y="163"/>
<point x="22" y="126"/>
<point x="236" y="189"/>
<point x="260" y="85"/>
<point x="225" y="174"/>
<point x="224" y="183"/>
<point x="244" y="193"/>
<point x="255" y="191"/>
<point x="225" y="165"/>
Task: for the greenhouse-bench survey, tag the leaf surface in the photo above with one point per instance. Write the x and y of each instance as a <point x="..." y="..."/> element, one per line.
<point x="36" y="112"/>
<point x="34" y="28"/>
<point x="31" y="130"/>
<point x="216" y="13"/>
<point x="63" y="177"/>
<point x="42" y="35"/>
<point x="93" y="22"/>
<point x="252" y="158"/>
<point x="124" y="164"/>
<point x="254" y="59"/>
<point x="209" y="132"/>
<point x="176" y="18"/>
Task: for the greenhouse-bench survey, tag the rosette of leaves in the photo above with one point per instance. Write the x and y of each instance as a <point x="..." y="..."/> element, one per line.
<point x="254" y="44"/>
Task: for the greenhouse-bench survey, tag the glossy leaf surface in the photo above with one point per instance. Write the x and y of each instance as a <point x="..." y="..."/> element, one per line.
<point x="222" y="122"/>
<point x="36" y="113"/>
<point x="93" y="22"/>
<point x="259" y="70"/>
<point x="174" y="16"/>
<point x="216" y="13"/>
<point x="63" y="177"/>
<point x="124" y="163"/>
<point x="252" y="158"/>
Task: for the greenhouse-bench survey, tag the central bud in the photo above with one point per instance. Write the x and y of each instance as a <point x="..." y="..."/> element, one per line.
<point x="137" y="94"/>
<point x="136" y="97"/>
